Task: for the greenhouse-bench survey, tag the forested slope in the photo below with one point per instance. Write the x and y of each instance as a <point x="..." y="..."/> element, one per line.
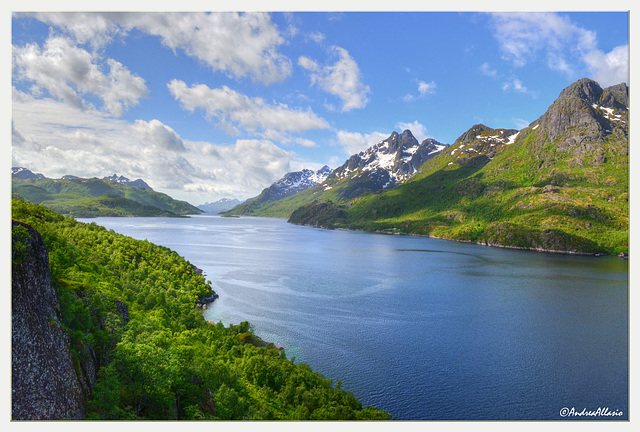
<point x="164" y="361"/>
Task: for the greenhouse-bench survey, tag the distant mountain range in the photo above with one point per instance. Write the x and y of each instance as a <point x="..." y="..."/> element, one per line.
<point x="221" y="205"/>
<point x="24" y="173"/>
<point x="110" y="196"/>
<point x="561" y="184"/>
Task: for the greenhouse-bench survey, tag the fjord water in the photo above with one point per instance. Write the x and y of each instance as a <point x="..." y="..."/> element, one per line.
<point x="426" y="329"/>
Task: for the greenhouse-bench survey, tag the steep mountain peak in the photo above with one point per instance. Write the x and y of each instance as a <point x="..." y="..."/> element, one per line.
<point x="585" y="113"/>
<point x="293" y="182"/>
<point x="391" y="161"/>
<point x="585" y="89"/>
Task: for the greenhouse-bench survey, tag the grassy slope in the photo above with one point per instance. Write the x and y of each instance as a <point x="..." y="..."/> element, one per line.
<point x="95" y="197"/>
<point x="530" y="195"/>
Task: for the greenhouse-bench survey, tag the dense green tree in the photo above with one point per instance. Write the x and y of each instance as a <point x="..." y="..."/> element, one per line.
<point x="165" y="361"/>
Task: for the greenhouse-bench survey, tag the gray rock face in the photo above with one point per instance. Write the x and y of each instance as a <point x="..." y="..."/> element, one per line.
<point x="45" y="384"/>
<point x="585" y="113"/>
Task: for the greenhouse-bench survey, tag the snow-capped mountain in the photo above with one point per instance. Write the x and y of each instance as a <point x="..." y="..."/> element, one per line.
<point x="126" y="182"/>
<point x="24" y="173"/>
<point x="294" y="182"/>
<point x="221" y="205"/>
<point x="391" y="161"/>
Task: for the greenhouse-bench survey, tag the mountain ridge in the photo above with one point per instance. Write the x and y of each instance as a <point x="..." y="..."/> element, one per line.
<point x="384" y="165"/>
<point x="560" y="184"/>
<point x="110" y="196"/>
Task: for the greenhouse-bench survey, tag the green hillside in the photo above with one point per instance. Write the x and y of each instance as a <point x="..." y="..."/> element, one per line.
<point x="96" y="197"/>
<point x="562" y="185"/>
<point x="161" y="360"/>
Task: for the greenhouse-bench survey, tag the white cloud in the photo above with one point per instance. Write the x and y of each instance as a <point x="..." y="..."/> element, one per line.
<point x="515" y="85"/>
<point x="610" y="68"/>
<point x="566" y="47"/>
<point x="73" y="75"/>
<point x="426" y="88"/>
<point x="55" y="139"/>
<point x="305" y="142"/>
<point x="157" y="132"/>
<point x="341" y="79"/>
<point x="242" y="169"/>
<point x="316" y="37"/>
<point x="240" y="45"/>
<point x="523" y="35"/>
<point x="355" y="142"/>
<point x="417" y="129"/>
<point x="232" y="109"/>
<point x="486" y="69"/>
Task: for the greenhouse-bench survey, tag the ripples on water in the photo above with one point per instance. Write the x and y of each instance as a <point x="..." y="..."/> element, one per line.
<point x="424" y="328"/>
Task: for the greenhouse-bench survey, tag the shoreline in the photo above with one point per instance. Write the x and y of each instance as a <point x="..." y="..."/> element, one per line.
<point x="540" y="250"/>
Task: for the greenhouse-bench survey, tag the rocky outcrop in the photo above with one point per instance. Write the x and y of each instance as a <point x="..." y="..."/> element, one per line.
<point x="45" y="382"/>
<point x="585" y="113"/>
<point x="204" y="301"/>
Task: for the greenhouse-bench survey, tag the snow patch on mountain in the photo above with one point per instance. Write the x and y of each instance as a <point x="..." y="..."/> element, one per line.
<point x="294" y="182"/>
<point x="394" y="160"/>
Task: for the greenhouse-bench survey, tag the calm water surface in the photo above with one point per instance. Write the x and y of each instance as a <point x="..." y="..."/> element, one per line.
<point x="423" y="328"/>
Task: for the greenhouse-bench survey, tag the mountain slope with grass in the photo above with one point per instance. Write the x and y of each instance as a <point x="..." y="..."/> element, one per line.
<point x="382" y="166"/>
<point x="561" y="184"/>
<point x="94" y="197"/>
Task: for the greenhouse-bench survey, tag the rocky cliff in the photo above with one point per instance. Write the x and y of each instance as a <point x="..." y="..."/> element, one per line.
<point x="45" y="380"/>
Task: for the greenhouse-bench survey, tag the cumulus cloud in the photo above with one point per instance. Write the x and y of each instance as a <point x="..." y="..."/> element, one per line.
<point x="355" y="142"/>
<point x="232" y="110"/>
<point x="238" y="44"/>
<point x="55" y="139"/>
<point x="73" y="75"/>
<point x="341" y="79"/>
<point x="417" y="129"/>
<point x="609" y="68"/>
<point x="158" y="133"/>
<point x="567" y="47"/>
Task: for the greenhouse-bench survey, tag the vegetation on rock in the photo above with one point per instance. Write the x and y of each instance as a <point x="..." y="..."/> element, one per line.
<point x="160" y="359"/>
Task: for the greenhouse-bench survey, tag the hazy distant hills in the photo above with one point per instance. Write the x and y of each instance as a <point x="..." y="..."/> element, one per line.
<point x="561" y="184"/>
<point x="221" y="205"/>
<point x="110" y="196"/>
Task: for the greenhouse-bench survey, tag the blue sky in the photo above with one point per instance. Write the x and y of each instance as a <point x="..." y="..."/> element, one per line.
<point x="205" y="106"/>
